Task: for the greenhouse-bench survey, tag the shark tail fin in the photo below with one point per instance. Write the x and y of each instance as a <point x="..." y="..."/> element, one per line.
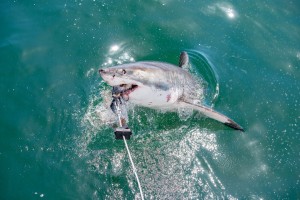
<point x="214" y="115"/>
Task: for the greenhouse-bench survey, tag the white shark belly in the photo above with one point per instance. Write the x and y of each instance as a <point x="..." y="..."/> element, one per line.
<point x="152" y="97"/>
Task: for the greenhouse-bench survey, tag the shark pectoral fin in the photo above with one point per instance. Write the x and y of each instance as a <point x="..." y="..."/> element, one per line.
<point x="213" y="114"/>
<point x="183" y="59"/>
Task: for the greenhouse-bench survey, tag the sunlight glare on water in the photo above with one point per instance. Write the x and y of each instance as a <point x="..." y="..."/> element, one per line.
<point x="118" y="54"/>
<point x="222" y="8"/>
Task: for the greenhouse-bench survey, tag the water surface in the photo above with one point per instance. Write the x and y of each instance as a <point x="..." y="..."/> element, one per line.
<point x="56" y="136"/>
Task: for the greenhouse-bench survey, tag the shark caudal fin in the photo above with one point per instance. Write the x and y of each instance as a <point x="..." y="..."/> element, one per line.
<point x="213" y="114"/>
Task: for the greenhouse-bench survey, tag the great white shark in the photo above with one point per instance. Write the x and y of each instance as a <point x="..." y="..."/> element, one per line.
<point x="160" y="85"/>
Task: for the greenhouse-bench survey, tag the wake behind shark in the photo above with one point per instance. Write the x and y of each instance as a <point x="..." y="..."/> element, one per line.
<point x="160" y="85"/>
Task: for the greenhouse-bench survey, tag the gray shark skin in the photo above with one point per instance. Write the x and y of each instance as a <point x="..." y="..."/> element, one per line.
<point x="160" y="85"/>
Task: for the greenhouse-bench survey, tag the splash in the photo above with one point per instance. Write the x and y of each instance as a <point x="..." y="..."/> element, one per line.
<point x="202" y="67"/>
<point x="179" y="167"/>
<point x="172" y="163"/>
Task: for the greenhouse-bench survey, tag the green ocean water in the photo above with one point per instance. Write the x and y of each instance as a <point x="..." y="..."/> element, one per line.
<point x="55" y="124"/>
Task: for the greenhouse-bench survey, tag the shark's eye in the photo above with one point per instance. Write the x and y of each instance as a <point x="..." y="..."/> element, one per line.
<point x="121" y="71"/>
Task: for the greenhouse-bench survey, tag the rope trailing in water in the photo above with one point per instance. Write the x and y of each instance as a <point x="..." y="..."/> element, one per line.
<point x="116" y="103"/>
<point x="133" y="168"/>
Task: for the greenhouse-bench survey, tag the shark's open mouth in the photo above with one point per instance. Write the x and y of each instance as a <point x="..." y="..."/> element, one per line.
<point x="128" y="88"/>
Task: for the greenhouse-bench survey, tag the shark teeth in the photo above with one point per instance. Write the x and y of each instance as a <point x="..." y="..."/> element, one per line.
<point x="127" y="88"/>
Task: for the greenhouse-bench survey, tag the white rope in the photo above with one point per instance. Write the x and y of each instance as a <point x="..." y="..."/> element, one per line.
<point x="133" y="168"/>
<point x="130" y="158"/>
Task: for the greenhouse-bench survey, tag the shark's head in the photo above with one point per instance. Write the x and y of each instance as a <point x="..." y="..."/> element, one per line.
<point x="127" y="77"/>
<point x="123" y="74"/>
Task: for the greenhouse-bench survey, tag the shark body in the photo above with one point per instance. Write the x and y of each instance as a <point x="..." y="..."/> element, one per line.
<point x="160" y="85"/>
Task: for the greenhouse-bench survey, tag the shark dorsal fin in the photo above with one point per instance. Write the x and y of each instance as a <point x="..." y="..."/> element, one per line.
<point x="183" y="59"/>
